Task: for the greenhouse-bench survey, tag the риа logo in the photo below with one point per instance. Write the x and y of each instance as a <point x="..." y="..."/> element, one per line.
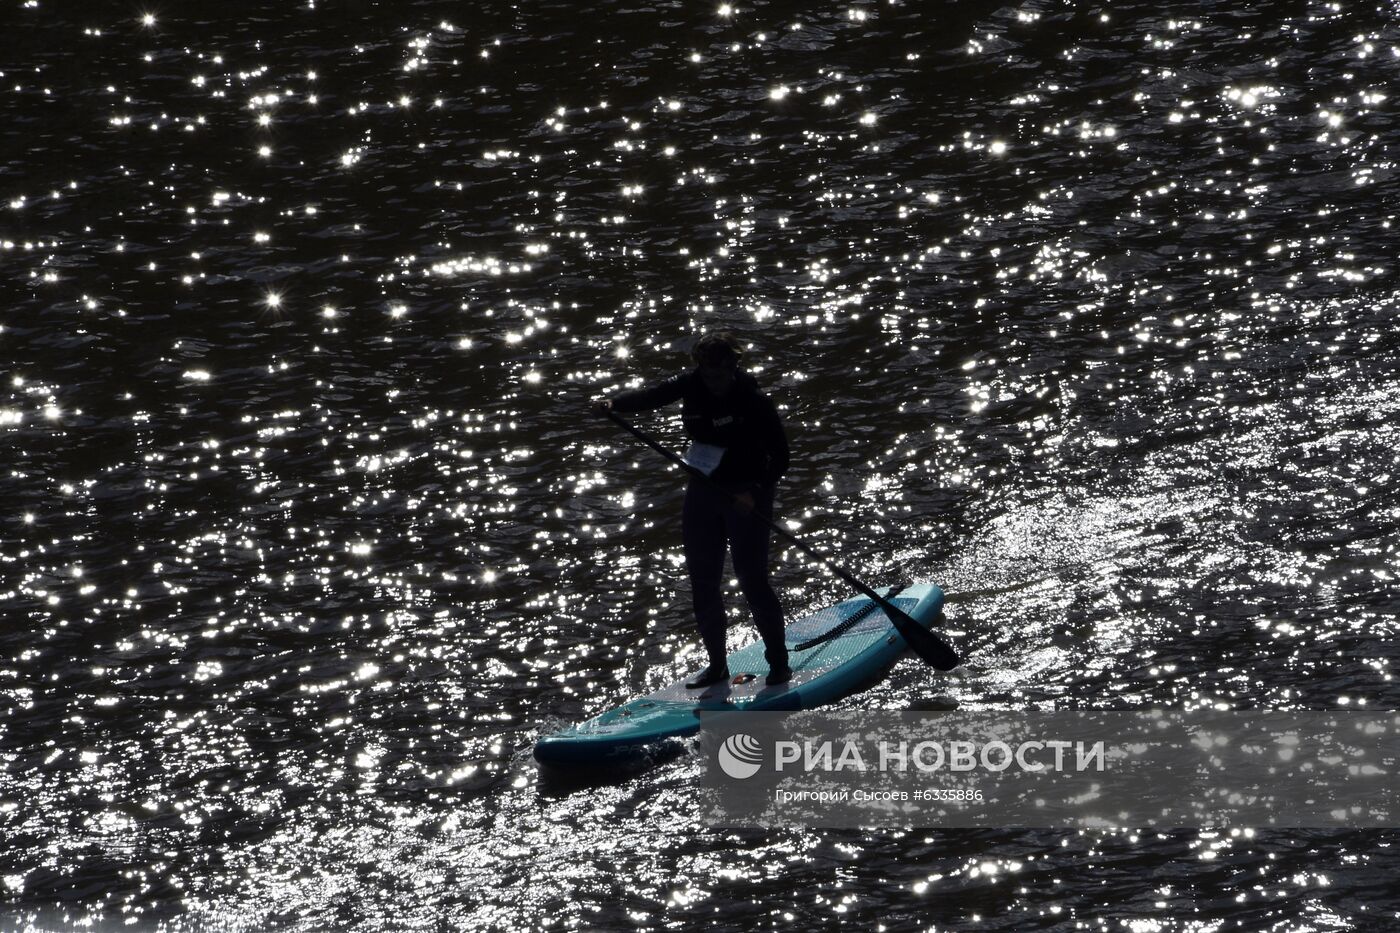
<point x="740" y="756"/>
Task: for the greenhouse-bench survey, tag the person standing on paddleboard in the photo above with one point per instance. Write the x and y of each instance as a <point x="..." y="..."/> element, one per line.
<point x="738" y="441"/>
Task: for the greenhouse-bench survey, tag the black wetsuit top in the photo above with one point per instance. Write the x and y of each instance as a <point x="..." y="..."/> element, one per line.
<point x="745" y="423"/>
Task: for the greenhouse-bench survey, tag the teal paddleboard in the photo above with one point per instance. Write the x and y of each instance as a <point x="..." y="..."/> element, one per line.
<point x="821" y="674"/>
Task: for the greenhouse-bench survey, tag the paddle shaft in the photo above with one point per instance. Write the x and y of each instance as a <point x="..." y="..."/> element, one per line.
<point x="907" y="627"/>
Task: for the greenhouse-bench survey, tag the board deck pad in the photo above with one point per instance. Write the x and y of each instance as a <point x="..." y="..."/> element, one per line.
<point x="820" y="674"/>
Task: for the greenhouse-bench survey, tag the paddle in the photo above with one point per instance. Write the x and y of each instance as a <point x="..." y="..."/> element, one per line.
<point x="925" y="644"/>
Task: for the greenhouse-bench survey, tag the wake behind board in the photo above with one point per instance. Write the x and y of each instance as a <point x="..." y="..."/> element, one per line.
<point x="821" y="674"/>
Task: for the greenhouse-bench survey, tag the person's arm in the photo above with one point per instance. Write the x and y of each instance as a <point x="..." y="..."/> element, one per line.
<point x="775" y="443"/>
<point x="663" y="393"/>
<point x="772" y="440"/>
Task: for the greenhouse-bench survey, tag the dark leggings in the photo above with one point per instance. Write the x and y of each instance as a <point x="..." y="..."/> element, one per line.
<point x="710" y="522"/>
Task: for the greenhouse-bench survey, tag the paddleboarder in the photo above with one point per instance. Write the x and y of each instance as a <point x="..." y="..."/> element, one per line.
<point x="738" y="441"/>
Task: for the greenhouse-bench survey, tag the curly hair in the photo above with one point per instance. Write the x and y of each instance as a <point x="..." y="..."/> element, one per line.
<point x="717" y="348"/>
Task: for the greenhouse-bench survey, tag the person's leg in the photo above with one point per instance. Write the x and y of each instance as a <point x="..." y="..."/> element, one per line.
<point x="703" y="534"/>
<point x="748" y="544"/>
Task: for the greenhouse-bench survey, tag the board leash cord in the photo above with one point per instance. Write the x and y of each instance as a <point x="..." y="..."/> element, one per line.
<point x="845" y="625"/>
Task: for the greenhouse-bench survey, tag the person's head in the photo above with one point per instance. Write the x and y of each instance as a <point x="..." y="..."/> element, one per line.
<point x="717" y="354"/>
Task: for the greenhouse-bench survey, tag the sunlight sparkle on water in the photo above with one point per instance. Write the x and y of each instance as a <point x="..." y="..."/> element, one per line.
<point x="1251" y="97"/>
<point x="488" y="264"/>
<point x="1125" y="417"/>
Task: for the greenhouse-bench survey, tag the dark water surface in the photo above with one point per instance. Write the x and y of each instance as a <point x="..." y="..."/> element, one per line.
<point x="1084" y="311"/>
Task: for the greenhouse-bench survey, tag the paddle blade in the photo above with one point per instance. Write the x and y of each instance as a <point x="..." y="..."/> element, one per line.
<point x="928" y="646"/>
